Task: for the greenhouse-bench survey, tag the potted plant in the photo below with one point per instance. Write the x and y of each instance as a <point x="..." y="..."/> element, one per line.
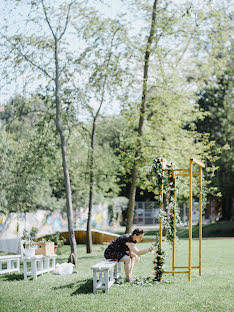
<point x="29" y="241"/>
<point x="58" y="241"/>
<point x="45" y="247"/>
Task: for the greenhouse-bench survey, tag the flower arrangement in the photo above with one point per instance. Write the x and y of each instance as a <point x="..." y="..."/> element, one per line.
<point x="29" y="237"/>
<point x="167" y="182"/>
<point x="56" y="238"/>
<point x="159" y="264"/>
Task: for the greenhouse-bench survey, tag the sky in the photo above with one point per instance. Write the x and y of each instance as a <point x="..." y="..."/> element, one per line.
<point x="14" y="19"/>
<point x="115" y="7"/>
<point x="7" y="13"/>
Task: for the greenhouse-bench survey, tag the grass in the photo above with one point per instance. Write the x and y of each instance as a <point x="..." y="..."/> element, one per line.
<point x="213" y="291"/>
<point x="218" y="229"/>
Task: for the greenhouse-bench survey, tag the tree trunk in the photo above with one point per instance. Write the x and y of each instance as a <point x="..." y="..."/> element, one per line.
<point x="227" y="203"/>
<point x="72" y="239"/>
<point x="132" y="194"/>
<point x="91" y="175"/>
<point x="91" y="181"/>
<point x="70" y="217"/>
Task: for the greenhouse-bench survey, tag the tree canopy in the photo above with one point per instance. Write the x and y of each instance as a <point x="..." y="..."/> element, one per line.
<point x="99" y="97"/>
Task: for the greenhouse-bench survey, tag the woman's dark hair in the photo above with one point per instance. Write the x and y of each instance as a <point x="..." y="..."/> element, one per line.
<point x="138" y="231"/>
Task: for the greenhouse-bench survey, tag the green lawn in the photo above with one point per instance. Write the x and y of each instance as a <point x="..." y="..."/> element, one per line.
<point x="218" y="229"/>
<point x="213" y="291"/>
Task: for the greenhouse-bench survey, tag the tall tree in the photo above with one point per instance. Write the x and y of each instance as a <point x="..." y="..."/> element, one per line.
<point x="25" y="50"/>
<point x="176" y="62"/>
<point x="104" y="72"/>
<point x="57" y="36"/>
<point x="132" y="193"/>
<point x="217" y="102"/>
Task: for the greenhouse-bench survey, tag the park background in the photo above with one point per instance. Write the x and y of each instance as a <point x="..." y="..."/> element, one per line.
<point x="91" y="93"/>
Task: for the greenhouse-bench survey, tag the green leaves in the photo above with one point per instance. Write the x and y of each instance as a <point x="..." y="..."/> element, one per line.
<point x="164" y="189"/>
<point x="218" y="123"/>
<point x="27" y="151"/>
<point x="159" y="264"/>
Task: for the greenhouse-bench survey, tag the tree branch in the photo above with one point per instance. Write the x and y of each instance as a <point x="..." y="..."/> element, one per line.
<point x="26" y="57"/>
<point x="105" y="78"/>
<point x="67" y="19"/>
<point x="47" y="19"/>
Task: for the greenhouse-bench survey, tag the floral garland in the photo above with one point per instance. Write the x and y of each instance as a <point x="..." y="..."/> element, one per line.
<point x="168" y="183"/>
<point x="168" y="219"/>
<point x="159" y="264"/>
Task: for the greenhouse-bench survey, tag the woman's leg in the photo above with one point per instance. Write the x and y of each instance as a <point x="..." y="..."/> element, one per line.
<point x="132" y="265"/>
<point x="127" y="266"/>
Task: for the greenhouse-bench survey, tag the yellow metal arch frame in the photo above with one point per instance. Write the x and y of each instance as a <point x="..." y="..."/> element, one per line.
<point x="177" y="173"/>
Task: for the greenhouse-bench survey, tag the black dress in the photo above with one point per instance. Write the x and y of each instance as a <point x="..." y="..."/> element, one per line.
<point x="118" y="248"/>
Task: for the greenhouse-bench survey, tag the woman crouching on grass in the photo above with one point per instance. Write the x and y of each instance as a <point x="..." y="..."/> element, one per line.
<point x="123" y="249"/>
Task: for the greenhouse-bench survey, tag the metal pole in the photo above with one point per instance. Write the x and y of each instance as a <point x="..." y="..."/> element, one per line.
<point x="174" y="226"/>
<point x="190" y="217"/>
<point x="160" y="220"/>
<point x="200" y="222"/>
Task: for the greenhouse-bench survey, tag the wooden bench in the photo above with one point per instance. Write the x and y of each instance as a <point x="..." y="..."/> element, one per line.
<point x="108" y="271"/>
<point x="9" y="263"/>
<point x="34" y="266"/>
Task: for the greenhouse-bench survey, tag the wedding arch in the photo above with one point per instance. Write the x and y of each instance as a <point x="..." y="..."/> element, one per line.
<point x="166" y="176"/>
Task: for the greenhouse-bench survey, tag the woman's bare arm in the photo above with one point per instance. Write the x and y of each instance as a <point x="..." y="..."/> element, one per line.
<point x="134" y="249"/>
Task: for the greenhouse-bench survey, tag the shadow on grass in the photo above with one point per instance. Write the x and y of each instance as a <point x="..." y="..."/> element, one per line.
<point x="87" y="257"/>
<point x="12" y="277"/>
<point x="90" y="257"/>
<point x="62" y="260"/>
<point x="83" y="287"/>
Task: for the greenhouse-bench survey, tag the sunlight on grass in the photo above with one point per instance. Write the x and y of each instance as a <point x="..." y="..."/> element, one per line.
<point x="213" y="291"/>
